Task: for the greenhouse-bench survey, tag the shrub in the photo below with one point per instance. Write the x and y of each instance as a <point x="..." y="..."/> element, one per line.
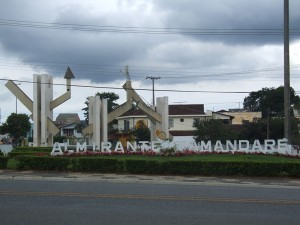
<point x="216" y="168"/>
<point x="43" y="163"/>
<point x="96" y="164"/>
<point x="142" y="166"/>
<point x="15" y="154"/>
<point x="32" y="149"/>
<point x="3" y="162"/>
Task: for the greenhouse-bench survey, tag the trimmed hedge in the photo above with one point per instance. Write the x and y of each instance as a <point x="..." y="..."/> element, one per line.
<point x="169" y="166"/>
<point x="15" y="154"/>
<point x="142" y="166"/>
<point x="43" y="163"/>
<point x="32" y="149"/>
<point x="3" y="162"/>
<point x="96" y="164"/>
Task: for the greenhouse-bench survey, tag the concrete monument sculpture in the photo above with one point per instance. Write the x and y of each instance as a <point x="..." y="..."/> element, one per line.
<point x="158" y="116"/>
<point x="42" y="105"/>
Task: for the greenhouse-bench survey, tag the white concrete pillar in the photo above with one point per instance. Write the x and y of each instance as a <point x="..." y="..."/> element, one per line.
<point x="46" y="98"/>
<point x="160" y="131"/>
<point x="96" y="127"/>
<point x="163" y="110"/>
<point x="91" y="116"/>
<point x="104" y="123"/>
<point x="36" y="110"/>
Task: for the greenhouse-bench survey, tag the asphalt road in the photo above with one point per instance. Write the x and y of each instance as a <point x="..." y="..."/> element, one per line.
<point x="57" y="201"/>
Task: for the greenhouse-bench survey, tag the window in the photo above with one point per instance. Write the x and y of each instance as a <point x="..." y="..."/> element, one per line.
<point x="126" y="125"/>
<point x="181" y="120"/>
<point x="171" y="122"/>
<point x="68" y="132"/>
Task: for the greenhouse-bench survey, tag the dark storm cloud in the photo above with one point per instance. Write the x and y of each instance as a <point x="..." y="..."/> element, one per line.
<point x="233" y="15"/>
<point x="99" y="56"/>
<point x="91" y="55"/>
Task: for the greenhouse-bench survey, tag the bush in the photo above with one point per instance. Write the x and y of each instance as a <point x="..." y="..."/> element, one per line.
<point x="3" y="162"/>
<point x="15" y="154"/>
<point x="32" y="149"/>
<point x="43" y="163"/>
<point x="142" y="166"/>
<point x="96" y="164"/>
<point x="231" y="168"/>
<point x="202" y="166"/>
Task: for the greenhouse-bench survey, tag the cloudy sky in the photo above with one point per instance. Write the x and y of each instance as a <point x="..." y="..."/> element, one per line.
<point x="204" y="51"/>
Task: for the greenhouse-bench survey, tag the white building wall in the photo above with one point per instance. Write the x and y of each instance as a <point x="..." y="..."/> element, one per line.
<point x="187" y="124"/>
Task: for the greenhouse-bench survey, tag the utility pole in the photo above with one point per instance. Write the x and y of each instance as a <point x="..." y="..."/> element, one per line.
<point x="153" y="78"/>
<point x="287" y="103"/>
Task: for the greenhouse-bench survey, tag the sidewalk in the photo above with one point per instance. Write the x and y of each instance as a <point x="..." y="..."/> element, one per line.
<point x="155" y="179"/>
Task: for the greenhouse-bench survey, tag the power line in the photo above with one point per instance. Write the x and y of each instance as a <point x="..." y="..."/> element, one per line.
<point x="165" y="73"/>
<point x="143" y="30"/>
<point x="138" y="89"/>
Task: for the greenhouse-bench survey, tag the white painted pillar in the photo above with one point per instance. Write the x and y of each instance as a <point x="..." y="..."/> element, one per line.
<point x="36" y="110"/>
<point x="104" y="123"/>
<point x="163" y="110"/>
<point x="160" y="131"/>
<point x="96" y="127"/>
<point x="91" y="116"/>
<point x="46" y="98"/>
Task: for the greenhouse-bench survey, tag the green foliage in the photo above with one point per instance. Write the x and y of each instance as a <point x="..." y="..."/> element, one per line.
<point x="202" y="165"/>
<point x="59" y="139"/>
<point x="95" y="164"/>
<point x="270" y="101"/>
<point x="43" y="163"/>
<point x="79" y="127"/>
<point x="111" y="103"/>
<point x="213" y="130"/>
<point x="17" y="126"/>
<point x="141" y="134"/>
<point x="30" y="151"/>
<point x="142" y="166"/>
<point x="3" y="162"/>
<point x="258" y="129"/>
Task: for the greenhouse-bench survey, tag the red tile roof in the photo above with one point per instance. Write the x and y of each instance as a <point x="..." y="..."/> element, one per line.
<point x="191" y="109"/>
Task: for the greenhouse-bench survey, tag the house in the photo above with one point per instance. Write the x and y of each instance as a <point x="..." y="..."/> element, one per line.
<point x="242" y="116"/>
<point x="181" y="119"/>
<point x="67" y="123"/>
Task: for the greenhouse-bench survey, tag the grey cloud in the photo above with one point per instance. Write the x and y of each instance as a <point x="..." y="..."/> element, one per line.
<point x="231" y="14"/>
<point x="100" y="56"/>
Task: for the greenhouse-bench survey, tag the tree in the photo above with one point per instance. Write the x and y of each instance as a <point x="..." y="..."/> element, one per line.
<point x="270" y="101"/>
<point x="141" y="134"/>
<point x="213" y="130"/>
<point x="111" y="103"/>
<point x="16" y="126"/>
<point x="257" y="130"/>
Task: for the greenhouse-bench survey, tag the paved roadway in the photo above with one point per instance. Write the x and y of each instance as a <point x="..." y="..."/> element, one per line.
<point x="76" y="198"/>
